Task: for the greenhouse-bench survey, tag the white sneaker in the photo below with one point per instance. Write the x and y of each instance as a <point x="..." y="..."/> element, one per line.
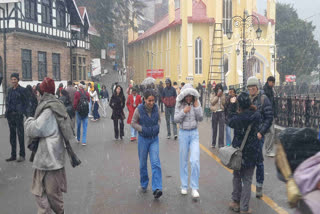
<point x="90" y="116"/>
<point x="184" y="191"/>
<point x="195" y="193"/>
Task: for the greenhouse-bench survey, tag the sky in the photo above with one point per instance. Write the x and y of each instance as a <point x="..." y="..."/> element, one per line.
<point x="307" y="9"/>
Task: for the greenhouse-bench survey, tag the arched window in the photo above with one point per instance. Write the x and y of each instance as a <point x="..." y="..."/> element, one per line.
<point x="61" y="14"/>
<point x="198" y="56"/>
<point x="227" y="15"/>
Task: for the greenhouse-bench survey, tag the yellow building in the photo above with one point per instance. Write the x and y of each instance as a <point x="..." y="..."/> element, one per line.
<point x="191" y="42"/>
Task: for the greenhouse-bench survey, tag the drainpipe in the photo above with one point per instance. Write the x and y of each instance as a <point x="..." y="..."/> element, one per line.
<point x="4" y="55"/>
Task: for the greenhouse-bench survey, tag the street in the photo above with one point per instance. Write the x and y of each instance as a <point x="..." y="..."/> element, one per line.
<point x="107" y="181"/>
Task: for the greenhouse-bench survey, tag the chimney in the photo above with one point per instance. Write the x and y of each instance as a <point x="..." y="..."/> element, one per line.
<point x="271" y="9"/>
<point x="171" y="11"/>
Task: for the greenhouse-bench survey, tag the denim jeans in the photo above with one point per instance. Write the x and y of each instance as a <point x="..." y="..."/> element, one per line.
<point x="96" y="114"/>
<point x="90" y="108"/>
<point x="260" y="166"/>
<point x="84" y="122"/>
<point x="149" y="146"/>
<point x="169" y="111"/>
<point x="134" y="133"/>
<point x="242" y="180"/>
<point x="228" y="135"/>
<point x="189" y="140"/>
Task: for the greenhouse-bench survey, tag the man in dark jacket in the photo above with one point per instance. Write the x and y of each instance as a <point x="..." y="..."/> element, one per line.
<point x="263" y="105"/>
<point x="16" y="104"/>
<point x="160" y="91"/>
<point x="232" y="93"/>
<point x="169" y="96"/>
<point x="269" y="137"/>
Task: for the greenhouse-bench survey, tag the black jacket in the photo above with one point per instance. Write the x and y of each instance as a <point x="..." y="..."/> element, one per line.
<point x="17" y="101"/>
<point x="268" y="91"/>
<point x="263" y="105"/>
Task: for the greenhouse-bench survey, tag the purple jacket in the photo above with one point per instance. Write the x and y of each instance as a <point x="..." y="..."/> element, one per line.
<point x="307" y="176"/>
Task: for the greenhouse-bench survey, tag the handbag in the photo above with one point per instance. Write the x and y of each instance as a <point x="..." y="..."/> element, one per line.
<point x="232" y="157"/>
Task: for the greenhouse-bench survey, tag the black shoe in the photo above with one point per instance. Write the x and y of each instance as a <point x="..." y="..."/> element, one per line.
<point x="157" y="193"/>
<point x="21" y="159"/>
<point x="143" y="190"/>
<point x="11" y="159"/>
<point x="175" y="137"/>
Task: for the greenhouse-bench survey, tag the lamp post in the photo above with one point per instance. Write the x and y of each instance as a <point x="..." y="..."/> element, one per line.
<point x="245" y="23"/>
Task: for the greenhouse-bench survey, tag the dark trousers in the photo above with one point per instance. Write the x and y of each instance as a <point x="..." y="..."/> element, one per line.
<point x="96" y="114"/>
<point x="116" y="128"/>
<point x="160" y="104"/>
<point x="15" y="121"/>
<point x="260" y="165"/>
<point x="218" y="119"/>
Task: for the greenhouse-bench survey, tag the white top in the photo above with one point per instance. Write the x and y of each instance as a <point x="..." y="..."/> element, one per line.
<point x="94" y="96"/>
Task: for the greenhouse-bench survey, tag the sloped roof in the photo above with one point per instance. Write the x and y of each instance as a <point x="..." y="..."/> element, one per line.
<point x="199" y="15"/>
<point x="263" y="20"/>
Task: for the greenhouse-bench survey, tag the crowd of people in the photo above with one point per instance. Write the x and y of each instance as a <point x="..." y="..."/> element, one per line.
<point x="49" y="113"/>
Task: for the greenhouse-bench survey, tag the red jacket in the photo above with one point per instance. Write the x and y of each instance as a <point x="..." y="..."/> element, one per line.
<point x="77" y="96"/>
<point x="130" y="106"/>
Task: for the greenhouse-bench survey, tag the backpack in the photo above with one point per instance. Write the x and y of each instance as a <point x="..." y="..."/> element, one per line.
<point x="83" y="105"/>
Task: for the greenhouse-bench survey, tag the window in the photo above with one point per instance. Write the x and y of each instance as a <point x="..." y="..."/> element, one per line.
<point x="74" y="68"/>
<point x="31" y="9"/>
<point x="42" y="65"/>
<point x="254" y="66"/>
<point x="80" y="67"/>
<point x="227" y="15"/>
<point x="46" y="12"/>
<point x="61" y="15"/>
<point x="84" y="68"/>
<point x="198" y="56"/>
<point x="26" y="64"/>
<point x="56" y="66"/>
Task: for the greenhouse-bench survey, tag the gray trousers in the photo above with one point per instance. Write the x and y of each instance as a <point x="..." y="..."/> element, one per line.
<point x="269" y="139"/>
<point x="242" y="181"/>
<point x="218" y="119"/>
<point x="169" y="111"/>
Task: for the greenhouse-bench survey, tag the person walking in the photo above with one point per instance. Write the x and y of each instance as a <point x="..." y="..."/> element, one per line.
<point x="95" y="100"/>
<point x="247" y="118"/>
<point x="71" y="91"/>
<point x="232" y="93"/>
<point x="268" y="90"/>
<point x="200" y="90"/>
<point x="134" y="100"/>
<point x="169" y="96"/>
<point x="16" y="108"/>
<point x="146" y="120"/>
<point x="117" y="104"/>
<point x="59" y="89"/>
<point x="90" y="88"/>
<point x="263" y="105"/>
<point x="104" y="95"/>
<point x="66" y="100"/>
<point x="188" y="113"/>
<point x="49" y="176"/>
<point x="176" y="87"/>
<point x="81" y="106"/>
<point x="160" y="91"/>
<point x="217" y="104"/>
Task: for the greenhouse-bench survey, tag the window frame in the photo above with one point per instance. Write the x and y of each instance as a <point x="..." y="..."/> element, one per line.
<point x="56" y="66"/>
<point x="42" y="64"/>
<point x="74" y="67"/>
<point x="28" y="5"/>
<point x="46" y="12"/>
<point x="29" y="65"/>
<point x="227" y="12"/>
<point x="61" y="14"/>
<point x="198" y="56"/>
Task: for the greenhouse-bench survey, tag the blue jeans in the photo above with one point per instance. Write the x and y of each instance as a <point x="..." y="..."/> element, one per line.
<point x="228" y="135"/>
<point x="134" y="133"/>
<point x="90" y="107"/>
<point x="96" y="114"/>
<point x="189" y="140"/>
<point x="149" y="146"/>
<point x="260" y="166"/>
<point x="84" y="122"/>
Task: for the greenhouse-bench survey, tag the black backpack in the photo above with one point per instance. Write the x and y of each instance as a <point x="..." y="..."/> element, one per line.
<point x="83" y="105"/>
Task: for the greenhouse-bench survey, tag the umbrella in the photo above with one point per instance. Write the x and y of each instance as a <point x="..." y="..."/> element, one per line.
<point x="148" y="81"/>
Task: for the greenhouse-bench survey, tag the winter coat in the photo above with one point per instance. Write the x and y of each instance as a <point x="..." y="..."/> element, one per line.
<point x="169" y="96"/>
<point x="188" y="121"/>
<point x="71" y="91"/>
<point x="77" y="97"/>
<point x="265" y="110"/>
<point x="149" y="124"/>
<point x="269" y="92"/>
<point x="117" y="104"/>
<point x="217" y="103"/>
<point x="104" y="94"/>
<point x="307" y="177"/>
<point x="16" y="101"/>
<point x="131" y="105"/>
<point x="67" y="103"/>
<point x="51" y="126"/>
<point x="240" y="122"/>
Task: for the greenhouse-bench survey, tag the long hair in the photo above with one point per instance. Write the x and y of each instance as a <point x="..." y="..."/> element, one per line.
<point x="218" y="86"/>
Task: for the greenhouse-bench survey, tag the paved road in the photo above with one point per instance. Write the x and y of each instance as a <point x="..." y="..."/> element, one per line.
<point x="108" y="179"/>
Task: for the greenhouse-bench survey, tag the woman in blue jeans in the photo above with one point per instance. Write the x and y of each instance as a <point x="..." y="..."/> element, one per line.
<point x="188" y="113"/>
<point x="146" y="120"/>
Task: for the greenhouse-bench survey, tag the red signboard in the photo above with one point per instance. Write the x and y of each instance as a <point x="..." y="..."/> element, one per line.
<point x="290" y="78"/>
<point x="155" y="73"/>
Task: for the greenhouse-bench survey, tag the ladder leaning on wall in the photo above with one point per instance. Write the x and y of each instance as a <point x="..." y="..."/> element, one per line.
<point x="215" y="73"/>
